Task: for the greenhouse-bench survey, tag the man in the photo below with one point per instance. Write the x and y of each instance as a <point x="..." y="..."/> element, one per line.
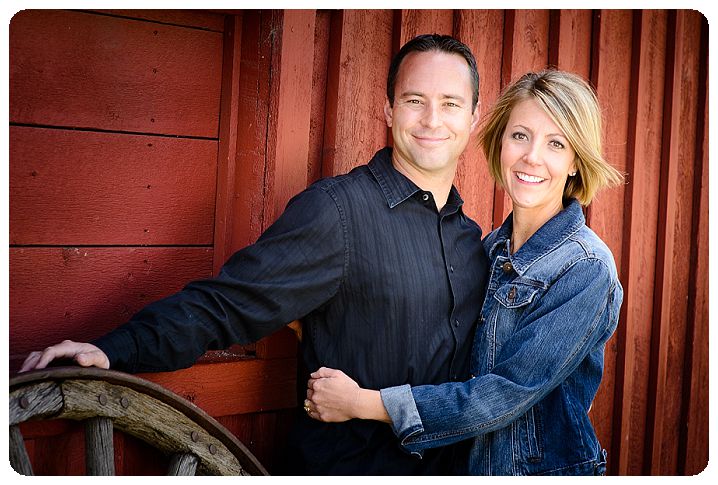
<point x="381" y="264"/>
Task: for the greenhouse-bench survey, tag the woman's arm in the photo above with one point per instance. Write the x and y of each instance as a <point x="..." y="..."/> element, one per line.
<point x="333" y="397"/>
<point x="536" y="359"/>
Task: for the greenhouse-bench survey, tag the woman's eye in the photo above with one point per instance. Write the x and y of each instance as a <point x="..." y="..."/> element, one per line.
<point x="557" y="144"/>
<point x="519" y="136"/>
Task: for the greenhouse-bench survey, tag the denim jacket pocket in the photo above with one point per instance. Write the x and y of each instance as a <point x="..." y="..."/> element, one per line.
<point x="516" y="294"/>
<point x="528" y="437"/>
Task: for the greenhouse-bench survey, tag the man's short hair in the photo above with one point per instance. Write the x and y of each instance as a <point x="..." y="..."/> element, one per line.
<point x="434" y="42"/>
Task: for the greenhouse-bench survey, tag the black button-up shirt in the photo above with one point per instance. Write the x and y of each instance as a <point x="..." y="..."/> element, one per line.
<point x="389" y="290"/>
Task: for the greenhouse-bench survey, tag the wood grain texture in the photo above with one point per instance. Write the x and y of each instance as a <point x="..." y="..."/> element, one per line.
<point x="187" y="18"/>
<point x="356" y="88"/>
<point x="84" y="188"/>
<point x="82" y="293"/>
<point x="482" y="32"/>
<point x="19" y="459"/>
<point x="99" y="447"/>
<point x="112" y="73"/>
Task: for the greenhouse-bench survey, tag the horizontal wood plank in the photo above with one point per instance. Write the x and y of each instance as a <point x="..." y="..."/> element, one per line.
<point x="83" y="70"/>
<point x="240" y="387"/>
<point x="85" y="188"/>
<point x="187" y="18"/>
<point x="82" y="293"/>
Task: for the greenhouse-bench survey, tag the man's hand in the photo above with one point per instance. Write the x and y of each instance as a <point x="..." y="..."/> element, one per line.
<point x="86" y="355"/>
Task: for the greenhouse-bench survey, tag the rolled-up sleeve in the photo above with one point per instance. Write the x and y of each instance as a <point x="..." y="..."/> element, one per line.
<point x="294" y="267"/>
<point x="575" y="316"/>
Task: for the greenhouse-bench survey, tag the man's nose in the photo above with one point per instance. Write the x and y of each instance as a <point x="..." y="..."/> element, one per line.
<point x="432" y="116"/>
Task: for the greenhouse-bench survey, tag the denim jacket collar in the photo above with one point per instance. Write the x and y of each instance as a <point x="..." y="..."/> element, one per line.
<point x="552" y="234"/>
<point x="396" y="186"/>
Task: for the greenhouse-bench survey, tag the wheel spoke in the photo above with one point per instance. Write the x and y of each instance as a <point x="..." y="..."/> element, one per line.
<point x="99" y="447"/>
<point x="183" y="464"/>
<point x="18" y="454"/>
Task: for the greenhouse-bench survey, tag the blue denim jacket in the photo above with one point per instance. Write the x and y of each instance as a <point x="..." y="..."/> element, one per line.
<point x="537" y="360"/>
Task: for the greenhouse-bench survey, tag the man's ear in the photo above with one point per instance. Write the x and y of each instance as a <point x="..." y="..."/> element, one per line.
<point x="476" y="116"/>
<point x="388" y="113"/>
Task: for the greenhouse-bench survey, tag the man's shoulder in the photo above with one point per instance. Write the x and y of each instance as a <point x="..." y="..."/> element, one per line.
<point x="345" y="184"/>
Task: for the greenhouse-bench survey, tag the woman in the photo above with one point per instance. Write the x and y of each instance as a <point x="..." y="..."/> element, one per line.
<point x="552" y="302"/>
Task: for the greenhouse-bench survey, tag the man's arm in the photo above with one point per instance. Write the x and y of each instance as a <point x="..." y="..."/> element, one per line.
<point x="293" y="268"/>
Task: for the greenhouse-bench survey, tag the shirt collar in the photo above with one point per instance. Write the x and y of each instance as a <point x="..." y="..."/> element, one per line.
<point x="549" y="236"/>
<point x="396" y="186"/>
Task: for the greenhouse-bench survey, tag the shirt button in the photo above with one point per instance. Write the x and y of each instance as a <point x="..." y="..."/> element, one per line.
<point x="425" y="197"/>
<point x="451" y="268"/>
<point x="507" y="267"/>
<point x="456" y="323"/>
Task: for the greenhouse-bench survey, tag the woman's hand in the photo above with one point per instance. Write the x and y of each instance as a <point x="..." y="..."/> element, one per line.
<point x="334" y="397"/>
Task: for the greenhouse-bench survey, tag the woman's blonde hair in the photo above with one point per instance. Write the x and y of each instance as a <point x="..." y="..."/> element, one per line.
<point x="573" y="106"/>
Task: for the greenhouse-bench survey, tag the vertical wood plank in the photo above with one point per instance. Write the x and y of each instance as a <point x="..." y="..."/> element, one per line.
<point x="481" y="30"/>
<point x="671" y="349"/>
<point x="525" y="49"/>
<point x="410" y="22"/>
<point x="693" y="448"/>
<point x="228" y="138"/>
<point x="254" y="85"/>
<point x="570" y="41"/>
<point x="322" y="38"/>
<point x="359" y="58"/>
<point x="289" y="110"/>
<point x="633" y="335"/>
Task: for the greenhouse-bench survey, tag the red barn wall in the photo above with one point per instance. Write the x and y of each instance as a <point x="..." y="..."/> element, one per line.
<point x="147" y="146"/>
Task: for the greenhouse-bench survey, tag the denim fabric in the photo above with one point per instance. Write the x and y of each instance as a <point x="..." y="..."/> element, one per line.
<point x="537" y="359"/>
<point x="388" y="288"/>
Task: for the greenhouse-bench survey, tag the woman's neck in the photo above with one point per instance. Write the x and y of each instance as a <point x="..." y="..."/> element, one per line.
<point x="526" y="221"/>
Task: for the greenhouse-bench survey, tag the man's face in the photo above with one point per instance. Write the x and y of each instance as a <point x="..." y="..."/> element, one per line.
<point x="432" y="119"/>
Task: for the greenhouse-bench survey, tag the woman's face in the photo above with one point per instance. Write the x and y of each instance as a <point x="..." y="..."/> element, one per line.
<point x="536" y="159"/>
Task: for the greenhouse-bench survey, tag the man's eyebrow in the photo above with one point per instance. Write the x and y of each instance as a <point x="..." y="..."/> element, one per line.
<point x="457" y="97"/>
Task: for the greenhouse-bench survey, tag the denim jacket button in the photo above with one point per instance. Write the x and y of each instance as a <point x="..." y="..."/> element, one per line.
<point x="507" y="267"/>
<point x="512" y="293"/>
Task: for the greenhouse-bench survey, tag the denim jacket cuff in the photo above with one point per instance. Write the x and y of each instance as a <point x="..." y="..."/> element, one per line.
<point x="401" y="407"/>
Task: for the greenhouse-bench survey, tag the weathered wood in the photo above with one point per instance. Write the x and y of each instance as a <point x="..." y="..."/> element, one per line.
<point x="356" y="88"/>
<point x="227" y="388"/>
<point x="112" y="73"/>
<point x="319" y="94"/>
<point x="149" y="419"/>
<point x="570" y="40"/>
<point x="482" y="31"/>
<point x="228" y="138"/>
<point x="124" y="189"/>
<point x="82" y="293"/>
<point x="289" y="111"/>
<point x="670" y="349"/>
<point x="183" y="464"/>
<point x="633" y="335"/>
<point x="99" y="447"/>
<point x="187" y="18"/>
<point x="145" y="410"/>
<point x="413" y="22"/>
<point x="694" y="446"/>
<point x="40" y="400"/>
<point x="19" y="459"/>
<point x="612" y="75"/>
<point x="254" y="84"/>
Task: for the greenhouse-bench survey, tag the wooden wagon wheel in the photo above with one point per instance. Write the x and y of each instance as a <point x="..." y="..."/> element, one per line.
<point x="104" y="400"/>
